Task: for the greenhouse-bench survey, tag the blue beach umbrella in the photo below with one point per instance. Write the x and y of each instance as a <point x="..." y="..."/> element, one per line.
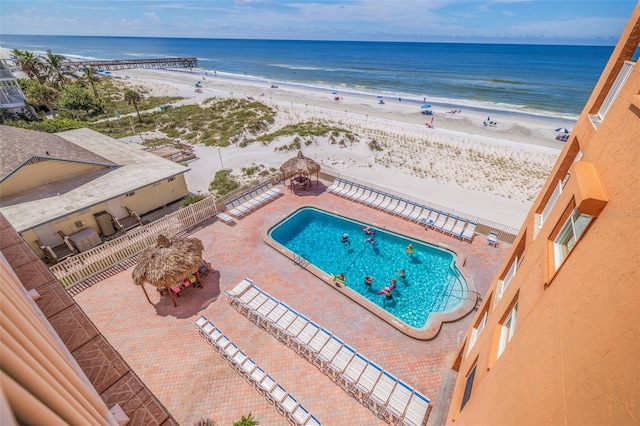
<point x="562" y="130"/>
<point x="425" y="106"/>
<point x="334" y="93"/>
<point x="379" y="97"/>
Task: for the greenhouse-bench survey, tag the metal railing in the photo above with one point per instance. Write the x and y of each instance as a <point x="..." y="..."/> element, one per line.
<point x="484" y="226"/>
<point x="80" y="267"/>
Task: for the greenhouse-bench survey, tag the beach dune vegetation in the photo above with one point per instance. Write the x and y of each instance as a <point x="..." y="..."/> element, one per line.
<point x="223" y="182"/>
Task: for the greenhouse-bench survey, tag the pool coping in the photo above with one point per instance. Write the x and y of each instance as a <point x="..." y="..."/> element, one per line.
<point x="434" y="320"/>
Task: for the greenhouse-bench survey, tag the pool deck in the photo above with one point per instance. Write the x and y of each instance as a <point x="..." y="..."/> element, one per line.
<point x="193" y="381"/>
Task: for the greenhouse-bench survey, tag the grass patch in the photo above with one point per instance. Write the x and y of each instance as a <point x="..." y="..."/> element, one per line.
<point x="218" y="122"/>
<point x="305" y="129"/>
<point x="191" y="199"/>
<point x="223" y="183"/>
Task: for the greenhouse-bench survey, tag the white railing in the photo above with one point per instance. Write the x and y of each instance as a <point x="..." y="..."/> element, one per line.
<point x="504" y="283"/>
<point x="621" y="79"/>
<point x="85" y="265"/>
<point x="550" y="203"/>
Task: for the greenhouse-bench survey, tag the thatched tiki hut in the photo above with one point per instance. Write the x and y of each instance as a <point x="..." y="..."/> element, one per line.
<point x="168" y="263"/>
<point x="299" y="166"/>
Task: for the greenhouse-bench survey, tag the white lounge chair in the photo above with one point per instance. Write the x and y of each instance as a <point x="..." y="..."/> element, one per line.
<point x="279" y="327"/>
<point x="367" y="380"/>
<point x="382" y="391"/>
<point x="335" y="184"/>
<point x="238" y="359"/>
<point x="451" y="223"/>
<point x="316" y="344"/>
<point x="296" y="327"/>
<point x="267" y="384"/>
<point x="229" y="351"/>
<point x="277" y="394"/>
<point x="200" y="322"/>
<point x="340" y="361"/>
<point x="393" y="204"/>
<point x="225" y="217"/>
<point x="312" y="421"/>
<point x="415" y="213"/>
<point x="274" y="315"/>
<point x="492" y="238"/>
<point x="439" y="223"/>
<point x="366" y="194"/>
<point x="353" y="371"/>
<point x="240" y="288"/>
<point x="345" y="190"/>
<point x="373" y="197"/>
<point x="431" y="219"/>
<point x="469" y="232"/>
<point x="328" y="352"/>
<point x="247" y="367"/>
<point x="416" y="410"/>
<point x="398" y="401"/>
<point x="287" y="405"/>
<point x="400" y="206"/>
<point x="300" y="415"/>
<point x="339" y="186"/>
<point x="354" y="190"/>
<point x="256" y="376"/>
<point x="457" y="230"/>
<point x="409" y="208"/>
<point x="382" y="200"/>
<point x="301" y="341"/>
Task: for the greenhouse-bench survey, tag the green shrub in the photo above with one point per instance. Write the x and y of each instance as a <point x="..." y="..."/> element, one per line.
<point x="191" y="199"/>
<point x="55" y="125"/>
<point x="247" y="420"/>
<point x="223" y="183"/>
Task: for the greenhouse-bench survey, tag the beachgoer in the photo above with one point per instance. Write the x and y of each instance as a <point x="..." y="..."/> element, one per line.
<point x="340" y="279"/>
<point x="344" y="238"/>
<point x="393" y="284"/>
<point x="371" y="240"/>
<point x="368" y="280"/>
<point x="401" y="273"/>
<point x="387" y="292"/>
<point x="409" y="249"/>
<point x="368" y="230"/>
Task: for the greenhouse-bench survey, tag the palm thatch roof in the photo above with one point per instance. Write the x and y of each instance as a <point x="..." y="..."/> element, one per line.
<point x="168" y="262"/>
<point x="299" y="165"/>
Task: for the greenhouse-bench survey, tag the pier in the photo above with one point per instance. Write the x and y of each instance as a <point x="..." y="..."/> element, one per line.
<point x="123" y="64"/>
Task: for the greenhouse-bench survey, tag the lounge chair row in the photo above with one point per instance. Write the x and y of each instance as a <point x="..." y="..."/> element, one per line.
<point x="381" y="392"/>
<point x="452" y="225"/>
<point x="246" y="203"/>
<point x="397" y="206"/>
<point x="284" y="402"/>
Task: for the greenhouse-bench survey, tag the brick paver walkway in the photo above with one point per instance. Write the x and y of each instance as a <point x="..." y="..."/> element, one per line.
<point x="193" y="381"/>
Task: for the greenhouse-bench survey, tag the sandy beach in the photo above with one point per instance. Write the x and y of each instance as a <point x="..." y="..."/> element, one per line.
<point x="493" y="172"/>
<point x="490" y="171"/>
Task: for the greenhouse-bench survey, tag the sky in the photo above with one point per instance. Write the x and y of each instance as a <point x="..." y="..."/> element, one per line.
<point x="588" y="22"/>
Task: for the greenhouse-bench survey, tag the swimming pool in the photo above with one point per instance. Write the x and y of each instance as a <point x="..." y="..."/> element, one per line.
<point x="433" y="285"/>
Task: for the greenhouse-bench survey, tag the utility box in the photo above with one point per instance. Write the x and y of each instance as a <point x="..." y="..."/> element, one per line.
<point x="103" y="219"/>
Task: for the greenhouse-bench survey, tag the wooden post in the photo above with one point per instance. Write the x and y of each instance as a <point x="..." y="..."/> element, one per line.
<point x="146" y="294"/>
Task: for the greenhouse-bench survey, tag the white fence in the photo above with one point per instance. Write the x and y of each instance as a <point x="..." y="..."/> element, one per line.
<point x="80" y="267"/>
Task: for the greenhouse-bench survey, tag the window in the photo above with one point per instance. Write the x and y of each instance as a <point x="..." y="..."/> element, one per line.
<point x="569" y="234"/>
<point x="130" y="194"/>
<point x="468" y="386"/>
<point x="504" y="283"/>
<point x="477" y="330"/>
<point x="508" y="328"/>
<point x="171" y="179"/>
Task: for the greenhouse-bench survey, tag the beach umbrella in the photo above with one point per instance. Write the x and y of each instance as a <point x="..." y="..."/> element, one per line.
<point x="299" y="165"/>
<point x="425" y="106"/>
<point x="562" y="130"/>
<point x="168" y="263"/>
<point x="379" y="97"/>
<point x="334" y="93"/>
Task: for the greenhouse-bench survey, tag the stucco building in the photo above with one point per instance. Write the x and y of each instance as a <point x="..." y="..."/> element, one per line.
<point x="55" y="185"/>
<point x="557" y="337"/>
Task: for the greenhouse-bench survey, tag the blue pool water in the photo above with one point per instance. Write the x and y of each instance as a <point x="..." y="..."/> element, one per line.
<point x="432" y="283"/>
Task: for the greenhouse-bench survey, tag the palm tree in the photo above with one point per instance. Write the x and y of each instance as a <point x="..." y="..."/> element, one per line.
<point x="29" y="63"/>
<point x="55" y="71"/>
<point x="92" y="77"/>
<point x="132" y="98"/>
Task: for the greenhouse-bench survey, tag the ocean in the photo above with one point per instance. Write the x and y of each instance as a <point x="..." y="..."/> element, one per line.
<point x="545" y="80"/>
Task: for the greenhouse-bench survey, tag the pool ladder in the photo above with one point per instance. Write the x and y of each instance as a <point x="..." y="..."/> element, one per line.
<point x="299" y="260"/>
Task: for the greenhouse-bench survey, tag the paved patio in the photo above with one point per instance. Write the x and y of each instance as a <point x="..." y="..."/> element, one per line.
<point x="193" y="381"/>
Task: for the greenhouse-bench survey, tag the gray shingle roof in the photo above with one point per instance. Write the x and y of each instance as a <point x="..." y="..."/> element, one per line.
<point x="19" y="146"/>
